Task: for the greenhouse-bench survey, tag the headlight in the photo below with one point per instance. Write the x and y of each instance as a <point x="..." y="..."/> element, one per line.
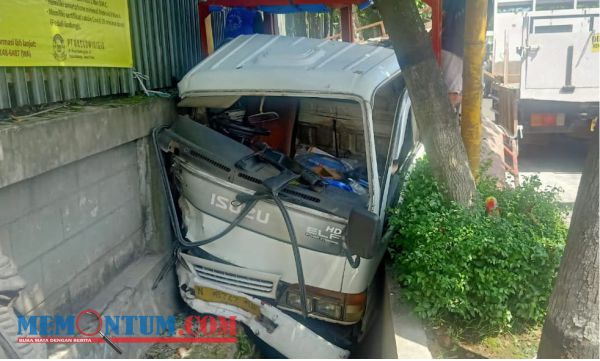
<point x="294" y="300"/>
<point x="326" y="304"/>
<point x="329" y="308"/>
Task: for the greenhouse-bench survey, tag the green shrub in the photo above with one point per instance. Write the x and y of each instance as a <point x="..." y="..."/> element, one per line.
<point x="484" y="272"/>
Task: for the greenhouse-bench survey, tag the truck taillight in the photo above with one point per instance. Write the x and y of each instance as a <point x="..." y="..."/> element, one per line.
<point x="547" y="119"/>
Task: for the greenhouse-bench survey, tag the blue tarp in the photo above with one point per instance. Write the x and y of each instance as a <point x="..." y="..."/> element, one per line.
<point x="241" y="21"/>
<point x="288" y="9"/>
<point x="294" y="9"/>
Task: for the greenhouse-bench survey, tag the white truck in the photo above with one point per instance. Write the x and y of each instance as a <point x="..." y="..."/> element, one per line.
<point x="278" y="186"/>
<point x="546" y="56"/>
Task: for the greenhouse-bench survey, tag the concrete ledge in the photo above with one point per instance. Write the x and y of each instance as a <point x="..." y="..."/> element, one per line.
<point x="409" y="335"/>
<point x="396" y="333"/>
<point x="40" y="144"/>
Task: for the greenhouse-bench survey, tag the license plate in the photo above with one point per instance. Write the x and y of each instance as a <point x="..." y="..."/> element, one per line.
<point x="212" y="295"/>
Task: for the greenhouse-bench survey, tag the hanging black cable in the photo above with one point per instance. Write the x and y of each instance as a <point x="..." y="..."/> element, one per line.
<point x="250" y="202"/>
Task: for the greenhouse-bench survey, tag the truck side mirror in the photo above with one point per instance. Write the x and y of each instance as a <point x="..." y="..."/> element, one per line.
<point x="362" y="233"/>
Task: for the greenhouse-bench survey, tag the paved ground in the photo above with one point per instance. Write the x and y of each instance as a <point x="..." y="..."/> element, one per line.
<point x="558" y="163"/>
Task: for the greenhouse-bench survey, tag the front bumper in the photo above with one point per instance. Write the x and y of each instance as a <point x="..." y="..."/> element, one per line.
<point x="280" y="331"/>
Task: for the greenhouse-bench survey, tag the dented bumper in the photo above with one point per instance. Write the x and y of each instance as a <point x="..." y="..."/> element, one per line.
<point x="274" y="327"/>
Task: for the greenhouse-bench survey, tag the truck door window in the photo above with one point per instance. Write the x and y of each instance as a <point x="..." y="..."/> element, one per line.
<point x="394" y="156"/>
<point x="385" y="112"/>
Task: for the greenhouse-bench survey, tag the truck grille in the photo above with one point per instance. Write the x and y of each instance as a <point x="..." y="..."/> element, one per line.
<point x="236" y="278"/>
<point x="235" y="281"/>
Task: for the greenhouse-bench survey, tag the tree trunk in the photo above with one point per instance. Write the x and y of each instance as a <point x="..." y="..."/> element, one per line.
<point x="332" y="21"/>
<point x="571" y="326"/>
<point x="436" y="120"/>
<point x="356" y="24"/>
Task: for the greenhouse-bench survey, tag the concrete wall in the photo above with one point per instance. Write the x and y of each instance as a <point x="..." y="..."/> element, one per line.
<point x="80" y="200"/>
<point x="80" y="221"/>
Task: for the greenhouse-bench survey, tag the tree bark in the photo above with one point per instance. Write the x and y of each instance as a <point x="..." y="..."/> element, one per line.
<point x="571" y="325"/>
<point x="332" y="18"/>
<point x="356" y="24"/>
<point x="436" y="120"/>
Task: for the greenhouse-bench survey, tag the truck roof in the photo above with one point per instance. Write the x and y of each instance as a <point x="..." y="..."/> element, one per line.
<point x="273" y="64"/>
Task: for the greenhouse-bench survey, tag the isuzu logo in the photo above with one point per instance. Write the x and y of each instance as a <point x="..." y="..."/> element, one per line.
<point x="223" y="202"/>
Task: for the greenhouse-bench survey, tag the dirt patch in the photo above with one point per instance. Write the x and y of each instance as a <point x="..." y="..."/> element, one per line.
<point x="443" y="344"/>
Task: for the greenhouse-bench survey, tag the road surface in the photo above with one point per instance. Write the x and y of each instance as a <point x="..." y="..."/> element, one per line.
<point x="558" y="163"/>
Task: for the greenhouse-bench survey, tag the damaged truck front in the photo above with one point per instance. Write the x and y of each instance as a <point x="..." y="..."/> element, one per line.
<point x="278" y="180"/>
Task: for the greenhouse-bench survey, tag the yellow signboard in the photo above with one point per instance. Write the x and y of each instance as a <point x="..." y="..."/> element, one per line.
<point x="65" y="33"/>
<point x="596" y="43"/>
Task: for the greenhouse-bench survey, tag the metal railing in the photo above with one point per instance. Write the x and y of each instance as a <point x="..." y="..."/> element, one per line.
<point x="165" y="40"/>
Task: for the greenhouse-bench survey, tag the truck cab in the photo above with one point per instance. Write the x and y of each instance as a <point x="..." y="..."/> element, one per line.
<point x="278" y="181"/>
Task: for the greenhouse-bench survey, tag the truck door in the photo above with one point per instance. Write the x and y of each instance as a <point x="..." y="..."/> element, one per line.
<point x="398" y="136"/>
<point x="560" y="53"/>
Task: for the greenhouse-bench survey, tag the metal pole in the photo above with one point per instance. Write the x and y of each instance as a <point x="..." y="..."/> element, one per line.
<point x="203" y="12"/>
<point x="475" y="27"/>
<point x="346" y="24"/>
